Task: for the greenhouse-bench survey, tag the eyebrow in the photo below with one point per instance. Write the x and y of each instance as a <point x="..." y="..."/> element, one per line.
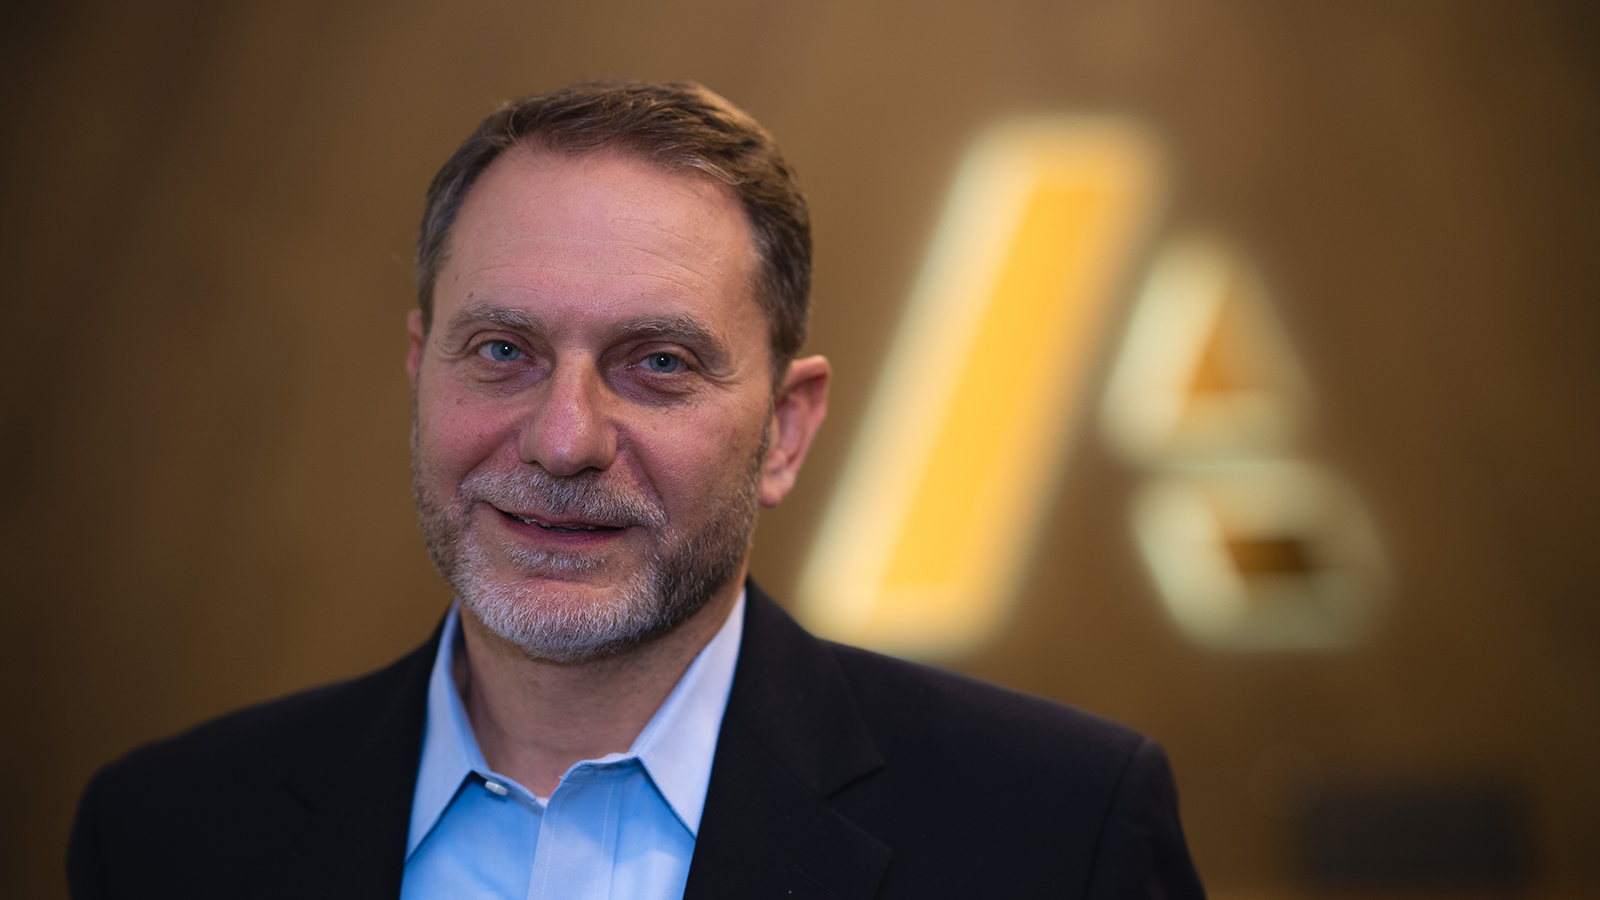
<point x="500" y="316"/>
<point x="685" y="328"/>
<point x="688" y="329"/>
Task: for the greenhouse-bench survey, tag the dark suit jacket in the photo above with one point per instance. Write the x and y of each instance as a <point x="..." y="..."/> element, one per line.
<point x="838" y="773"/>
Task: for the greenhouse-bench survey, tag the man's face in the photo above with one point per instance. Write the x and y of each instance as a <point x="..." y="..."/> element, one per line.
<point x="593" y="401"/>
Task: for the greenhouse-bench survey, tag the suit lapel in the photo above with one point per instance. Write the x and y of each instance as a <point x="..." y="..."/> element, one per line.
<point x="358" y="795"/>
<point x="791" y="738"/>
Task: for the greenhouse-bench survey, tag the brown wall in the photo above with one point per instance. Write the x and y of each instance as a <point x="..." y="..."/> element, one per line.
<point x="205" y="215"/>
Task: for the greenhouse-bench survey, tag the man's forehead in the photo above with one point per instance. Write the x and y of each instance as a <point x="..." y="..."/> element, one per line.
<point x="601" y="248"/>
<point x="601" y="213"/>
<point x="599" y="186"/>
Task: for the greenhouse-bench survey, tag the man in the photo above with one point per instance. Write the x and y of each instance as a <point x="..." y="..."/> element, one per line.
<point x="613" y="284"/>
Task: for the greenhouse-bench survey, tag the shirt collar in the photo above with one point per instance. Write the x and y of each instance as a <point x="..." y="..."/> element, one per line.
<point x="676" y="746"/>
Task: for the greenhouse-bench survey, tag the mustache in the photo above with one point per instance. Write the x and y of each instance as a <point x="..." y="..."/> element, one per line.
<point x="588" y="497"/>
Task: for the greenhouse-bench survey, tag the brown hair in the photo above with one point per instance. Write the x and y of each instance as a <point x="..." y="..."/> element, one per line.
<point x="679" y="126"/>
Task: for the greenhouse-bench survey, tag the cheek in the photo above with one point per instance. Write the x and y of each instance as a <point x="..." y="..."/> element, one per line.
<point x="455" y="433"/>
<point x="701" y="455"/>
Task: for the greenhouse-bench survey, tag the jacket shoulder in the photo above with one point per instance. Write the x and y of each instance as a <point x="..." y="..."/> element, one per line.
<point x="265" y="736"/>
<point x="1034" y="781"/>
<point x="225" y="799"/>
<point x="906" y="703"/>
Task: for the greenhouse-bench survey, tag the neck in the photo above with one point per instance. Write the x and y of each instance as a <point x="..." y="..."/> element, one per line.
<point x="535" y="718"/>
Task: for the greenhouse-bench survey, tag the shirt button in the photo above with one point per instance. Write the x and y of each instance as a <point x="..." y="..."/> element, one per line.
<point x="496" y="787"/>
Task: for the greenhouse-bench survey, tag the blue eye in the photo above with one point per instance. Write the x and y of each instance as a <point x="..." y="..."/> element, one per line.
<point x="500" y="351"/>
<point x="663" y="362"/>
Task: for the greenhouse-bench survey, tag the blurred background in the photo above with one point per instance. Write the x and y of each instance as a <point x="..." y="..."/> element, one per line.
<point x="206" y="214"/>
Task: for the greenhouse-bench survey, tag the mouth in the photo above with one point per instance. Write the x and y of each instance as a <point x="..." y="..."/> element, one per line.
<point x="563" y="527"/>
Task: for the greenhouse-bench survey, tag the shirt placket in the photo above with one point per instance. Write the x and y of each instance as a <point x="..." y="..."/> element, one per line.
<point x="577" y="846"/>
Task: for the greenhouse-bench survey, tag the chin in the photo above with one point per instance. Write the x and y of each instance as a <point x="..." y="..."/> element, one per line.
<point x="571" y="621"/>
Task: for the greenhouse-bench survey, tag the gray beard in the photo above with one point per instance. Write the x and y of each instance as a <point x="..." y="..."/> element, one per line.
<point x="682" y="572"/>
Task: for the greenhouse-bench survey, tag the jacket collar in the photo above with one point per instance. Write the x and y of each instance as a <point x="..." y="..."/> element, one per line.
<point x="791" y="738"/>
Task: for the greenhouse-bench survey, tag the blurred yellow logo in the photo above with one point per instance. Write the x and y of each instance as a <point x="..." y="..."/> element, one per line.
<point x="932" y="525"/>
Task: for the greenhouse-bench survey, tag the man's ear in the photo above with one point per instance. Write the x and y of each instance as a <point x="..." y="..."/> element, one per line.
<point x="797" y="412"/>
<point x="414" y="355"/>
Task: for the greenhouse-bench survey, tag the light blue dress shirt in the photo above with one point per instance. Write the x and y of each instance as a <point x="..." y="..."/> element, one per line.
<point x="621" y="827"/>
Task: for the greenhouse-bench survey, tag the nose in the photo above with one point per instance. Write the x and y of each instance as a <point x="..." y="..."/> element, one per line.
<point x="569" y="427"/>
